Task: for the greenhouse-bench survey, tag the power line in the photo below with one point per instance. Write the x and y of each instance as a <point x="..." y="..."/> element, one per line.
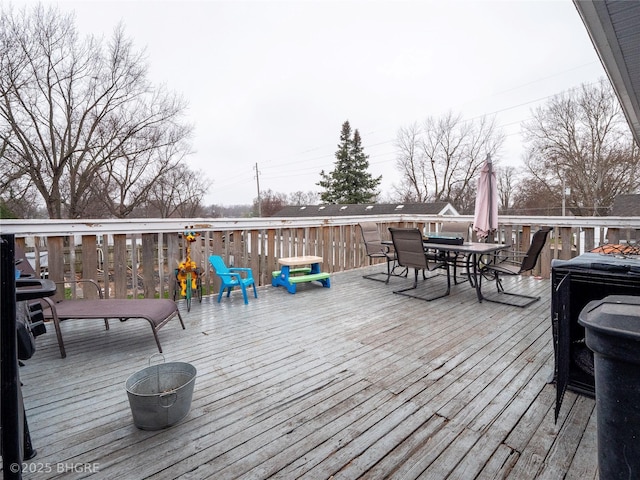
<point x="311" y="169"/>
<point x="258" y="185"/>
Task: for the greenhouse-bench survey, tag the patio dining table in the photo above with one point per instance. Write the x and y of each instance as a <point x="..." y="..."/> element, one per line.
<point x="474" y="252"/>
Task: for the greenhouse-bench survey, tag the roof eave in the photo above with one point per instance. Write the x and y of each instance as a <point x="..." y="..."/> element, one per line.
<point x="595" y="16"/>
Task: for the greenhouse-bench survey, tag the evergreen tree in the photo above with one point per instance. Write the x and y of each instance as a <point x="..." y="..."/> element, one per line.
<point x="349" y="182"/>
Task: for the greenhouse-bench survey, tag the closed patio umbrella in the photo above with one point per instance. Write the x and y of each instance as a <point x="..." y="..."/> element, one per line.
<point x="485" y="219"/>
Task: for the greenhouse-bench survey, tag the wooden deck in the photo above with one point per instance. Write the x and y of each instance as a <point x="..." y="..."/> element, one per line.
<point x="347" y="382"/>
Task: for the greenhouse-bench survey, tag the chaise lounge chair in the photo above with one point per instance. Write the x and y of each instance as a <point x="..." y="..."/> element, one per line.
<point x="157" y="312"/>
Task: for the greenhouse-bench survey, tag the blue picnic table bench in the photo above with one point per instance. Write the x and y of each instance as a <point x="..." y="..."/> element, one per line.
<point x="305" y="269"/>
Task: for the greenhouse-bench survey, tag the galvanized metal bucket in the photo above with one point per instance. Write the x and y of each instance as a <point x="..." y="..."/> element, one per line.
<point x="160" y="395"/>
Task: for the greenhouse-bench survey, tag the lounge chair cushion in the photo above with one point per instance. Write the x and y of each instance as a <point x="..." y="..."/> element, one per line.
<point x="156" y="311"/>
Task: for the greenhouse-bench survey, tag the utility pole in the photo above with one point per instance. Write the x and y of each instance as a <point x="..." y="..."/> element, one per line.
<point x="258" y="185"/>
<point x="566" y="191"/>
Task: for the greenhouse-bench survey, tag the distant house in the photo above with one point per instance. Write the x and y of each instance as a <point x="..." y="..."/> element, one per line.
<point x="434" y="208"/>
<point x="626" y="206"/>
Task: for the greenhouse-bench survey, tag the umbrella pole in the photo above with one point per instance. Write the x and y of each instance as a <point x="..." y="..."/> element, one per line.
<point x="490" y="165"/>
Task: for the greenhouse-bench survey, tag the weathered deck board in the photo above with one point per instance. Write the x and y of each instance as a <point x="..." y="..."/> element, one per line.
<point x="347" y="382"/>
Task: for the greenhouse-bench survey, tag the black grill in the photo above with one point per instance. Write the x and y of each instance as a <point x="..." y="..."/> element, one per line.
<point x="575" y="283"/>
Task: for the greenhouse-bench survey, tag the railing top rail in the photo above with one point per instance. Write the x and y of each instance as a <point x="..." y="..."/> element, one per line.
<point x="24" y="228"/>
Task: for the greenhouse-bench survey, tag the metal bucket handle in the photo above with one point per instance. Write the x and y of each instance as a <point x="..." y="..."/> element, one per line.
<point x="162" y="396"/>
<point x="157" y="355"/>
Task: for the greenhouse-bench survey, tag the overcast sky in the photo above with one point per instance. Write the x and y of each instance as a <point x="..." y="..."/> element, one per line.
<point x="271" y="82"/>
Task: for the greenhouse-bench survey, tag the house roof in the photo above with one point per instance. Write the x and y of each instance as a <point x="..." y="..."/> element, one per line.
<point x="614" y="28"/>
<point x="626" y="206"/>
<point x="434" y="208"/>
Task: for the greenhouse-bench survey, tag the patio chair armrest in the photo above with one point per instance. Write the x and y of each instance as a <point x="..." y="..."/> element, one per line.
<point x="388" y="251"/>
<point x="240" y="270"/>
<point x="436" y="255"/>
<point x="83" y="280"/>
<point x="435" y="263"/>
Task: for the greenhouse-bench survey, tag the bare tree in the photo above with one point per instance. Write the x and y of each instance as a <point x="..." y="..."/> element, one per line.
<point x="535" y="197"/>
<point x="131" y="179"/>
<point x="16" y="193"/>
<point x="18" y="198"/>
<point x="581" y="138"/>
<point x="507" y="181"/>
<point x="270" y="203"/>
<point x="441" y="160"/>
<point x="302" y="198"/>
<point x="411" y="163"/>
<point x="178" y="193"/>
<point x="81" y="115"/>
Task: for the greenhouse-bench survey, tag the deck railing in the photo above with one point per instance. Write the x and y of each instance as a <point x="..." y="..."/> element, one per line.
<point x="137" y="257"/>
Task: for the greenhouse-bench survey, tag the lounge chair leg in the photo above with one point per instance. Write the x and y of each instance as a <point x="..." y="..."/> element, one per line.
<point x="180" y="318"/>
<point x="56" y="324"/>
<point x="155" y="335"/>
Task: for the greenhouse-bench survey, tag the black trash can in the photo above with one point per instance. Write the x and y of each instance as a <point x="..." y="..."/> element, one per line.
<point x="612" y="327"/>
